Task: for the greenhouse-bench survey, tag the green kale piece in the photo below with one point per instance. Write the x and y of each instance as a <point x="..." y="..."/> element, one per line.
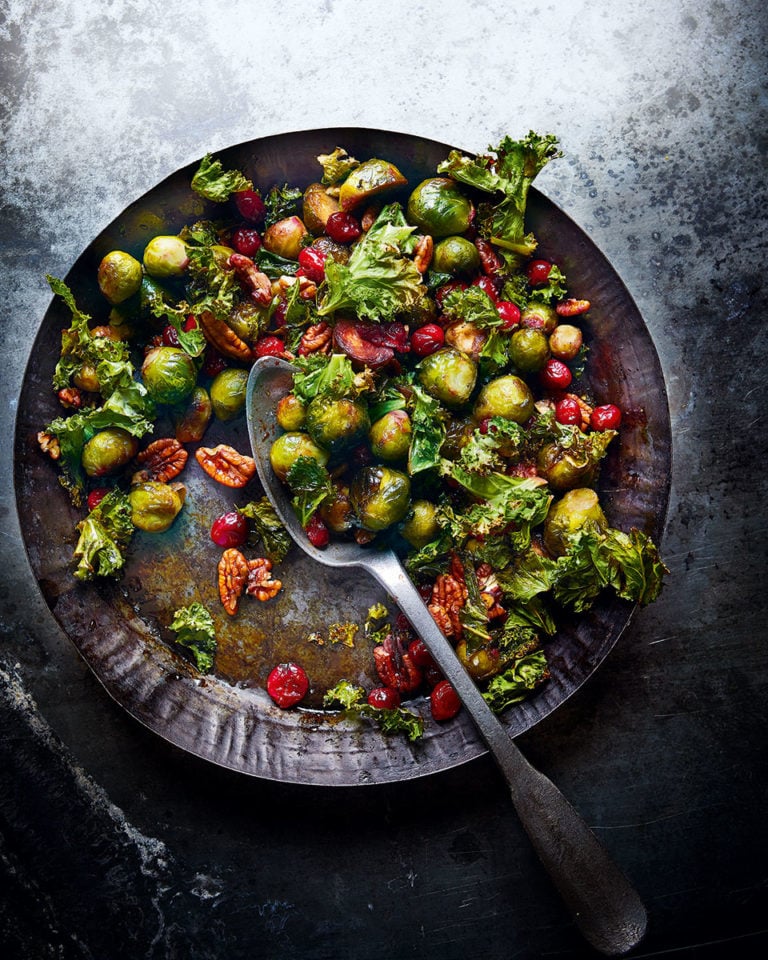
<point x="194" y="629"/>
<point x="273" y="265"/>
<point x="517" y="681"/>
<point x="428" y="431"/>
<point x="268" y="528"/>
<point x="213" y="182"/>
<point x="336" y="166"/>
<point x="281" y="202"/>
<point x="351" y="699"/>
<point x="310" y="485"/>
<point x="104" y="536"/>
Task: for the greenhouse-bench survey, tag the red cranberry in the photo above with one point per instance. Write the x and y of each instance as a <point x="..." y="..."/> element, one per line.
<point x="432" y="675"/>
<point x="312" y="263"/>
<point x="190" y="323"/>
<point x="269" y="346"/>
<point x="509" y="313"/>
<point x="317" y="532"/>
<point x="538" y="272"/>
<point x="442" y="292"/>
<point x="444" y="701"/>
<point x="229" y="530"/>
<point x="213" y="363"/>
<point x="96" y="496"/>
<point x="246" y="240"/>
<point x="278" y="317"/>
<point x="420" y="653"/>
<point x="489" y="286"/>
<point x="568" y="411"/>
<point x="385" y="698"/>
<point x="606" y="417"/>
<point x="250" y="206"/>
<point x="170" y="337"/>
<point x="427" y="339"/>
<point x="342" y="227"/>
<point x="287" y="684"/>
<point x="555" y="375"/>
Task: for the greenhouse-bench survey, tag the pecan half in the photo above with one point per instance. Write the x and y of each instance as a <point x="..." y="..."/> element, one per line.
<point x="448" y="597"/>
<point x="395" y="666"/>
<point x="260" y="583"/>
<point x="572" y="308"/>
<point x="282" y="286"/>
<point x="49" y="443"/>
<point x="368" y="217"/>
<point x="422" y="255"/>
<point x="220" y="335"/>
<point x="71" y="398"/>
<point x="249" y="274"/>
<point x="226" y="465"/>
<point x="316" y="339"/>
<point x="162" y="460"/>
<point x="584" y="407"/>
<point x="233" y="576"/>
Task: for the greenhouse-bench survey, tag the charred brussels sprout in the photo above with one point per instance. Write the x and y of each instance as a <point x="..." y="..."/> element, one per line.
<point x="369" y="180"/>
<point x="390" y="436"/>
<point x="455" y="255"/>
<point x="438" y="207"/>
<point x="539" y="316"/>
<point x="420" y="527"/>
<point x="337" y="425"/>
<point x="166" y="257"/>
<point x="458" y="432"/>
<point x="528" y="349"/>
<point x="287" y="449"/>
<point x="564" y="468"/>
<point x="107" y="451"/>
<point x="480" y="665"/>
<point x="318" y="206"/>
<point x="507" y="396"/>
<point x="228" y="393"/>
<point x="380" y="497"/>
<point x="573" y="511"/>
<point x="119" y="276"/>
<point x="336" y="511"/>
<point x="291" y="412"/>
<point x="448" y="375"/>
<point x="286" y="237"/>
<point x="191" y="420"/>
<point x="155" y="505"/>
<point x="169" y="374"/>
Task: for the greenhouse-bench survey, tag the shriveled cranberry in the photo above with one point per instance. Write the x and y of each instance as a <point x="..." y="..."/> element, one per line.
<point x="568" y="411"/>
<point x="489" y="286"/>
<point x="372" y="344"/>
<point x="509" y="313"/>
<point x="605" y="417"/>
<point x="427" y="339"/>
<point x="213" y="362"/>
<point x="269" y="346"/>
<point x="278" y="316"/>
<point x="246" y="240"/>
<point x="96" y="496"/>
<point x="342" y="227"/>
<point x="229" y="530"/>
<point x="538" y="272"/>
<point x="170" y="337"/>
<point x="447" y="288"/>
<point x="312" y="262"/>
<point x="317" y="532"/>
<point x="555" y="375"/>
<point x="250" y="206"/>
<point x="385" y="698"/>
<point x="419" y="653"/>
<point x="432" y="675"/>
<point x="287" y="684"/>
<point x="444" y="702"/>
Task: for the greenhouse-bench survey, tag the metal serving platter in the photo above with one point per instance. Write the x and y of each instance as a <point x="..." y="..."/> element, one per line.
<point x="120" y="627"/>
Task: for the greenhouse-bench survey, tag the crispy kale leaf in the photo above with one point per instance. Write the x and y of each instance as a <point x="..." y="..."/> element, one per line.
<point x="193" y="626"/>
<point x="268" y="528"/>
<point x="336" y="166"/>
<point x="213" y="182"/>
<point x="428" y="431"/>
<point x="104" y="535"/>
<point x="517" y="681"/>
<point x="508" y="175"/>
<point x="310" y="485"/>
<point x="379" y="280"/>
<point x="351" y="699"/>
<point x="281" y="202"/>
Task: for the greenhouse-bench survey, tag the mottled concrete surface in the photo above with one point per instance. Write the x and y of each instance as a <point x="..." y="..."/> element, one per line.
<point x="114" y="846"/>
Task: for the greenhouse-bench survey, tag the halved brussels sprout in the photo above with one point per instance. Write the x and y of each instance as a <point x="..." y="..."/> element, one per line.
<point x="337" y="425"/>
<point x="318" y="206"/>
<point x="169" y="374"/>
<point x="448" y="375"/>
<point x="191" y="420"/>
<point x="438" y="207"/>
<point x="336" y="512"/>
<point x="563" y="469"/>
<point x="291" y="412"/>
<point x="380" y="497"/>
<point x="369" y="180"/>
<point x="107" y="451"/>
<point x="287" y="449"/>
<point x="155" y="505"/>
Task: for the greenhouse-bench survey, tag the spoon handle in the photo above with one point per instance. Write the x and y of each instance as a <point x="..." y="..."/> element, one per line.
<point x="603" y="904"/>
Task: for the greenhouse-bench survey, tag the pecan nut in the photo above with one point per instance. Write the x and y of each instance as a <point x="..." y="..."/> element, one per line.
<point x="232" y="576"/>
<point x="49" y="443"/>
<point x="162" y="460"/>
<point x="71" y="397"/>
<point x="572" y="308"/>
<point x="422" y="255"/>
<point x="221" y="336"/>
<point x="316" y="339"/>
<point x="282" y="287"/>
<point x="449" y="594"/>
<point x="226" y="465"/>
<point x="395" y="665"/>
<point x="250" y="276"/>
<point x="260" y="583"/>
<point x="584" y="407"/>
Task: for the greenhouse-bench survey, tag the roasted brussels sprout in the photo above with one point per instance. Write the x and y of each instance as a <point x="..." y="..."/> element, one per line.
<point x="507" y="396"/>
<point x="318" y="206"/>
<point x="390" y="436"/>
<point x="285" y="238"/>
<point x="528" y="349"/>
<point x="287" y="449"/>
<point x="455" y="255"/>
<point x="337" y="425"/>
<point x="448" y="375"/>
<point x="574" y="510"/>
<point x="291" y="412"/>
<point x="119" y="276"/>
<point x="563" y="468"/>
<point x="480" y="665"/>
<point x="228" y="392"/>
<point x="380" y="497"/>
<point x="166" y="257"/>
<point x="155" y="505"/>
<point x="246" y="320"/>
<point x="368" y="180"/>
<point x="458" y="432"/>
<point x="420" y="526"/>
<point x="336" y="512"/>
<point x="169" y="374"/>
<point x="467" y="338"/>
<point x="539" y="316"/>
<point x="191" y="420"/>
<point x="107" y="451"/>
<point x="565" y="341"/>
<point x="438" y="207"/>
<point x="86" y="378"/>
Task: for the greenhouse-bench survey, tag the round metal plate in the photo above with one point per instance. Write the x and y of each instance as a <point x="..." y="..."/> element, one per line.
<point x="121" y="628"/>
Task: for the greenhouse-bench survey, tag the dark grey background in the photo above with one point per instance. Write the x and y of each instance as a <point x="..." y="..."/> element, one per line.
<point x="112" y="845"/>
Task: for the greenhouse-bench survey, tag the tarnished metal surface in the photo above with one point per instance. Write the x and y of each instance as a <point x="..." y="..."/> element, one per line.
<point x="121" y="629"/>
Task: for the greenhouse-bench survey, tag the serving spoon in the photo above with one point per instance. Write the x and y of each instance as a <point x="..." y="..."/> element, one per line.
<point x="603" y="904"/>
